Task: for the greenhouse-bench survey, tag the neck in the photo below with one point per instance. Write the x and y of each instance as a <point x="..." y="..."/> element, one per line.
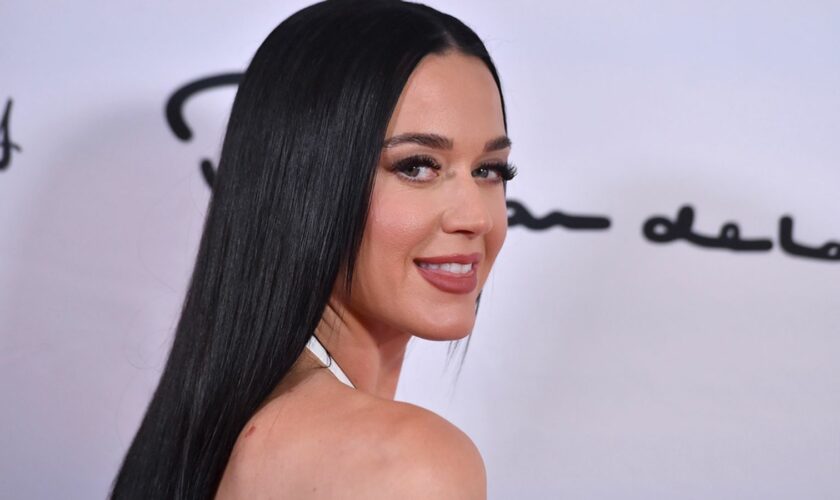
<point x="370" y="355"/>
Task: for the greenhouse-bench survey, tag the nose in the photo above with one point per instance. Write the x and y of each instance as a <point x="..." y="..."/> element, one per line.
<point x="467" y="211"/>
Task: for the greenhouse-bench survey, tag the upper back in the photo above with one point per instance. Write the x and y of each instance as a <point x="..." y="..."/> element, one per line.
<point x="316" y="438"/>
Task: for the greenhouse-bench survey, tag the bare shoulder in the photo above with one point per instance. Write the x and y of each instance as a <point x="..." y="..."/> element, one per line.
<point x="427" y="457"/>
<point x="331" y="442"/>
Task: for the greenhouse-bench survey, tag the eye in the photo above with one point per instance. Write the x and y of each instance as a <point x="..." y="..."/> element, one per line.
<point x="418" y="168"/>
<point x="495" y="172"/>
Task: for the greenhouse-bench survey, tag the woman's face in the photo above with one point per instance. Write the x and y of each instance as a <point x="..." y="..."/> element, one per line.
<point x="437" y="217"/>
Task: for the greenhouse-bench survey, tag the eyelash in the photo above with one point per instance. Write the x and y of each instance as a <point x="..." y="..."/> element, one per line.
<point x="506" y="171"/>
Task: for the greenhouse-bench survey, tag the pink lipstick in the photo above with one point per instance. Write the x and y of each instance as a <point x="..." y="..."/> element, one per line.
<point x="450" y="273"/>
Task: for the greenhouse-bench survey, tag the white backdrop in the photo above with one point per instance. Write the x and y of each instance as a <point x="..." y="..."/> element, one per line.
<point x="604" y="365"/>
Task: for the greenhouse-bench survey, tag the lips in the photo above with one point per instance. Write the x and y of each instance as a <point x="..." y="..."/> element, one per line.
<point x="450" y="278"/>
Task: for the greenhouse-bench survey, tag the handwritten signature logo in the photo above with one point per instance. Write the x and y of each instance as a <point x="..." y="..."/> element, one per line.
<point x="6" y="144"/>
<point x="175" y="112"/>
<point x="657" y="229"/>
<point x="518" y="215"/>
<point x="660" y="229"/>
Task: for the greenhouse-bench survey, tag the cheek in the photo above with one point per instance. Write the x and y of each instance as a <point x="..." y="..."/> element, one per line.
<point x="397" y="226"/>
<point x="500" y="225"/>
<point x="495" y="238"/>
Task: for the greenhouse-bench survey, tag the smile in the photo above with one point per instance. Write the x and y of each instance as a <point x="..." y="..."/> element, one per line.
<point x="449" y="267"/>
<point x="451" y="274"/>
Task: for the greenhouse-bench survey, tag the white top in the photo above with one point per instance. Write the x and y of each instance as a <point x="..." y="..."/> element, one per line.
<point x="315" y="346"/>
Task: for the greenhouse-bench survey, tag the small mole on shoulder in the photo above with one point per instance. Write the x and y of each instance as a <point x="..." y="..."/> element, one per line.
<point x="250" y="430"/>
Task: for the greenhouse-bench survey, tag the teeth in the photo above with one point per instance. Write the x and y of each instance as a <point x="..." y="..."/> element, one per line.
<point x="450" y="267"/>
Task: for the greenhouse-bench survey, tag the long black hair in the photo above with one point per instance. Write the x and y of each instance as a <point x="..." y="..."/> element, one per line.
<point x="287" y="211"/>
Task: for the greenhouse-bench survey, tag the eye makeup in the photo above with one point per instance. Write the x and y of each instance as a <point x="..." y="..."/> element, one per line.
<point x="408" y="168"/>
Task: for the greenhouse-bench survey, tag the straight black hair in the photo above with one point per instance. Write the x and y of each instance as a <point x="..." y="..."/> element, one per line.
<point x="287" y="210"/>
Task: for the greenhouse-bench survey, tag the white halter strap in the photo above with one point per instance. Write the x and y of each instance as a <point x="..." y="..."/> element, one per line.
<point x="315" y="346"/>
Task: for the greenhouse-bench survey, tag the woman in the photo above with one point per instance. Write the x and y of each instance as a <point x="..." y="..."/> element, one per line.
<point x="359" y="200"/>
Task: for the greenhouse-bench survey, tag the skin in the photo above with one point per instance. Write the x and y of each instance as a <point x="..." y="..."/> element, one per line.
<point x="370" y="446"/>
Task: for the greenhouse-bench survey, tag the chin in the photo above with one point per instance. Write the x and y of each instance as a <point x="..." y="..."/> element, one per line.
<point x="449" y="328"/>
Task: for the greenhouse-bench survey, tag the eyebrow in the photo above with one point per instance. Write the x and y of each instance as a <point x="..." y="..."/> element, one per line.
<point x="440" y="142"/>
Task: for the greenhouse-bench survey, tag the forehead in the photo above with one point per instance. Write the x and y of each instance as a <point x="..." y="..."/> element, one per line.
<point x="452" y="95"/>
